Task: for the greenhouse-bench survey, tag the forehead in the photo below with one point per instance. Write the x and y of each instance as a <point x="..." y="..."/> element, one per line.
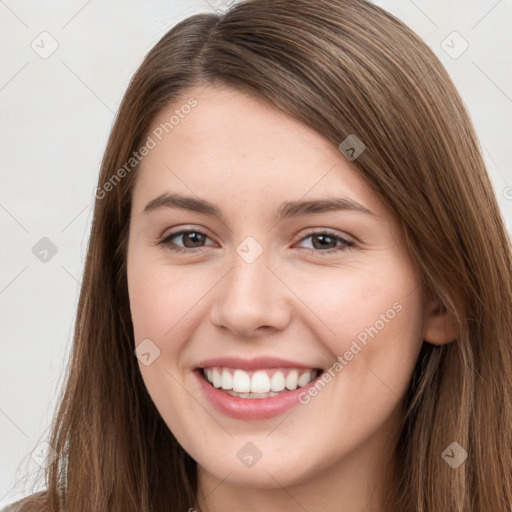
<point x="219" y="142"/>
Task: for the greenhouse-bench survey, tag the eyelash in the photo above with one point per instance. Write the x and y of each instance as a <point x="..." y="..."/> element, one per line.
<point x="347" y="244"/>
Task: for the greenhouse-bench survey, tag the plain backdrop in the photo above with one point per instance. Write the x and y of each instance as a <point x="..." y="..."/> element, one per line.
<point x="64" y="68"/>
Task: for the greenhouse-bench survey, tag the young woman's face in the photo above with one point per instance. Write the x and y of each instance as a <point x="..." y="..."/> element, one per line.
<point x="261" y="288"/>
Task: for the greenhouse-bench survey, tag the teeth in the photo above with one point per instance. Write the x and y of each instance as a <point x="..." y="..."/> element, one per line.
<point x="252" y="395"/>
<point x="292" y="379"/>
<point x="260" y="382"/>
<point x="277" y="382"/>
<point x="226" y="381"/>
<point x="241" y="381"/>
<point x="305" y="378"/>
<point x="216" y="378"/>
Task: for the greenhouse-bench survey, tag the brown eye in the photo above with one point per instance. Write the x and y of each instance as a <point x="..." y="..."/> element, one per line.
<point x="190" y="240"/>
<point x="326" y="242"/>
<point x="323" y="241"/>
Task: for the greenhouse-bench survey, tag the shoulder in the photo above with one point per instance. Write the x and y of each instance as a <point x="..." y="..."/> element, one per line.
<point x="33" y="503"/>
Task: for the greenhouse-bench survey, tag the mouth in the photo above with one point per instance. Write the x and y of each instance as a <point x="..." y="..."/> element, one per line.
<point x="258" y="383"/>
<point x="255" y="389"/>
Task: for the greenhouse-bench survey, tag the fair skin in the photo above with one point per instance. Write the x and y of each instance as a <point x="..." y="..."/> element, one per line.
<point x="293" y="302"/>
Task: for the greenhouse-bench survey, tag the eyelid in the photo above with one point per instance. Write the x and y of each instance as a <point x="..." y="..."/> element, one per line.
<point x="309" y="231"/>
<point x="347" y="242"/>
<point x="328" y="232"/>
<point x="184" y="229"/>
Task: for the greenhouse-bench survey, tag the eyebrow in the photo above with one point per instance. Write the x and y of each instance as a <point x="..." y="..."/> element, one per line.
<point x="286" y="210"/>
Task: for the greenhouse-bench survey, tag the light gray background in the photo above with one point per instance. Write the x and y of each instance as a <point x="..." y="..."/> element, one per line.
<point x="56" y="115"/>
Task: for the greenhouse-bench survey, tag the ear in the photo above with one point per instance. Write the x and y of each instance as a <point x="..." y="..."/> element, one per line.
<point x="440" y="326"/>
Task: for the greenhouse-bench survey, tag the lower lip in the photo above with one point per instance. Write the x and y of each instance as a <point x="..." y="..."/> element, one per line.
<point x="251" y="408"/>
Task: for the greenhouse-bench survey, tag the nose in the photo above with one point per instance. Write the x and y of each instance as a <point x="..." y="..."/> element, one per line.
<point x="251" y="301"/>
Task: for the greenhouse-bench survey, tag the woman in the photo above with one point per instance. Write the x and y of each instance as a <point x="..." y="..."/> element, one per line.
<point x="298" y="283"/>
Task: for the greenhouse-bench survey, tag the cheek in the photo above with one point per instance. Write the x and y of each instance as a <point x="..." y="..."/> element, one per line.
<point x="372" y="321"/>
<point x="162" y="300"/>
<point x="377" y="324"/>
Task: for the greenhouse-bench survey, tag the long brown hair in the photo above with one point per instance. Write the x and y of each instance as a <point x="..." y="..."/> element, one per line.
<point x="343" y="67"/>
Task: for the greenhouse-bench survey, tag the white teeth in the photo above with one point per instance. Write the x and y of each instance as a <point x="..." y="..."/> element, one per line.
<point x="277" y="382"/>
<point x="292" y="379"/>
<point x="260" y="384"/>
<point x="227" y="380"/>
<point x="241" y="381"/>
<point x="304" y="378"/>
<point x="252" y="395"/>
<point x="216" y="378"/>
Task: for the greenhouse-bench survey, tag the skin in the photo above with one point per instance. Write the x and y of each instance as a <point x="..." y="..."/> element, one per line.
<point x="293" y="302"/>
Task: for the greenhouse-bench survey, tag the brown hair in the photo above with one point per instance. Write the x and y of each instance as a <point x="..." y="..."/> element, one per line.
<point x="343" y="67"/>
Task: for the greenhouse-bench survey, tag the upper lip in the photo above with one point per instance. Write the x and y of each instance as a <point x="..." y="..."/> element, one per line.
<point x="262" y="362"/>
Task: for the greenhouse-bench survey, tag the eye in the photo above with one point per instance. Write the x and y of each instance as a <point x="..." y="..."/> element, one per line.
<point x="325" y="242"/>
<point x="322" y="241"/>
<point x="192" y="239"/>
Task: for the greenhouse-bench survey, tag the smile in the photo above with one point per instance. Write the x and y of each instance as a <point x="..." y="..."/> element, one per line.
<point x="262" y="383"/>
<point x="256" y="389"/>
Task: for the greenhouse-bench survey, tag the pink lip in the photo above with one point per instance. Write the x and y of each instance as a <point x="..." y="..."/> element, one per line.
<point x="258" y="363"/>
<point x="251" y="409"/>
